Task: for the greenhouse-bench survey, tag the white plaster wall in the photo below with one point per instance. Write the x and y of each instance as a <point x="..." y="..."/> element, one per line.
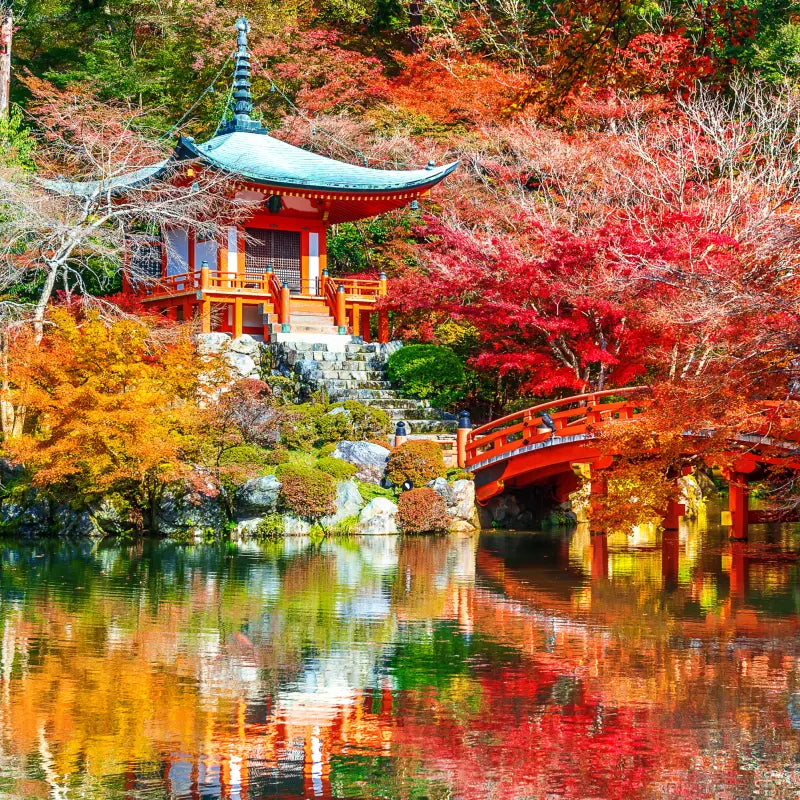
<point x="177" y="241"/>
<point x="313" y="257"/>
<point x="205" y="251"/>
<point x="233" y="264"/>
<point x="251" y="317"/>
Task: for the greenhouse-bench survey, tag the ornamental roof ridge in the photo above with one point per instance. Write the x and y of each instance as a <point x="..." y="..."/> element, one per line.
<point x="242" y="94"/>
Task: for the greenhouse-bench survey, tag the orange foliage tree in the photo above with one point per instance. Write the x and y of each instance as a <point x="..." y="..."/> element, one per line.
<point x="110" y="408"/>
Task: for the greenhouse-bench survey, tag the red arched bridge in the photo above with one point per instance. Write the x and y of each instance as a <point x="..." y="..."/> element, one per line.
<point x="543" y="444"/>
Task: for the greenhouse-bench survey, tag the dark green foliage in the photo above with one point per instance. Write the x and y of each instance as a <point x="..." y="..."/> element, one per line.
<point x="429" y="372"/>
<point x="418" y="461"/>
<point x="366" y="422"/>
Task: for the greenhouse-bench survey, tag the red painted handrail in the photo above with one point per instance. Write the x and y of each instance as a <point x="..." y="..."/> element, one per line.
<point x="572" y="415"/>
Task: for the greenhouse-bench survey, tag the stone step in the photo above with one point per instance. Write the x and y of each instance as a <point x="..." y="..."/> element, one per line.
<point x="419" y="413"/>
<point x="364" y="394"/>
<point x="346" y="386"/>
<point x="430" y="425"/>
<point x="347" y="375"/>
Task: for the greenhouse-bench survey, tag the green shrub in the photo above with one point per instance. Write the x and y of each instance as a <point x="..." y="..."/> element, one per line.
<point x="327" y="449"/>
<point x="418" y="461"/>
<point x="422" y="511"/>
<point x="366" y="422"/>
<point x="306" y="492"/>
<point x="270" y="527"/>
<point x="334" y="428"/>
<point x="460" y="475"/>
<point x="336" y="468"/>
<point x="299" y="426"/>
<point x="428" y="372"/>
<point x="309" y="425"/>
<point x="344" y="527"/>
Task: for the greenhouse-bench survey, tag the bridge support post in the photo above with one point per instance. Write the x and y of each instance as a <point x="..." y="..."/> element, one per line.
<point x="673" y="514"/>
<point x="670" y="558"/>
<point x="462" y="435"/>
<point x="739" y="568"/>
<point x="599" y="547"/>
<point x="598" y="491"/>
<point x="738" y="501"/>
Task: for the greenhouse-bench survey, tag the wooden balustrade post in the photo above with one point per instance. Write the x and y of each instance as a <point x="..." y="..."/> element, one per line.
<point x="205" y="275"/>
<point x="462" y="437"/>
<point x="323" y="283"/>
<point x="400" y="434"/>
<point x="356" y="314"/>
<point x="284" y="313"/>
<point x="341" y="310"/>
<point x="383" y="285"/>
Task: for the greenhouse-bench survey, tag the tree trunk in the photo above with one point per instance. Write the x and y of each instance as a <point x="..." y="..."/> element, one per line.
<point x="6" y="32"/>
<point x="44" y="299"/>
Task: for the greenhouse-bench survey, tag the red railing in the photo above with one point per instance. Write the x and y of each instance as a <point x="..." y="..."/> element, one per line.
<point x="570" y="416"/>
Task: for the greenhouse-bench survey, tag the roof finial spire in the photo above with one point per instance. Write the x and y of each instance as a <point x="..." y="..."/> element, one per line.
<point x="242" y="96"/>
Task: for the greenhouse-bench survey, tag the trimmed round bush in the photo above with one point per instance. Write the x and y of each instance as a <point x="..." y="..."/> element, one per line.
<point x="428" y="372"/>
<point x="418" y="460"/>
<point x="367" y="422"/>
<point x="306" y="492"/>
<point x="422" y="511"/>
<point x="336" y="468"/>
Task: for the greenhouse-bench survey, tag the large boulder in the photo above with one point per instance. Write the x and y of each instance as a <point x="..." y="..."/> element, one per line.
<point x="212" y="343"/>
<point x="378" y="517"/>
<point x="443" y="489"/>
<point x="246" y="344"/>
<point x="257" y="496"/>
<point x="242" y="364"/>
<point x="370" y="459"/>
<point x="463" y="505"/>
<point x="33" y="515"/>
<point x="182" y="513"/>
<point x="348" y="503"/>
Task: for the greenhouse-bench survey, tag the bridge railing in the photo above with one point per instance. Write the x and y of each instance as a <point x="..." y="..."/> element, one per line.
<point x="574" y="415"/>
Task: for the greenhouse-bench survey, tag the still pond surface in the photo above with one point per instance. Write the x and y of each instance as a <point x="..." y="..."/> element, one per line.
<point x="510" y="665"/>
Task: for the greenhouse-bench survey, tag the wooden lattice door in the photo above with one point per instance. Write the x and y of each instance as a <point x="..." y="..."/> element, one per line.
<point x="279" y="249"/>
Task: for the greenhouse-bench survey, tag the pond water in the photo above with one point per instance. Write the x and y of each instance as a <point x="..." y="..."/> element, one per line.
<point x="510" y="665"/>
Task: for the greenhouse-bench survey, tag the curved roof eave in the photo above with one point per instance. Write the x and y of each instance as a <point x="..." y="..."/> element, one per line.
<point x="283" y="165"/>
<point x="115" y="185"/>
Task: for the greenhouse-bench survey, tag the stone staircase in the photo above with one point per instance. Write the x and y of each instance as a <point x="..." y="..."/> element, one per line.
<point x="347" y="368"/>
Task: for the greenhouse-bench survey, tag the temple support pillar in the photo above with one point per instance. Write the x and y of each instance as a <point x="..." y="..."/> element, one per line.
<point x="383" y="326"/>
<point x="366" y="333"/>
<point x="237" y="317"/>
<point x="356" y="314"/>
<point x="205" y="315"/>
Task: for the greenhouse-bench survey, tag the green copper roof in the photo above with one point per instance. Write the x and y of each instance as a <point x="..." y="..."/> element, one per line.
<point x="260" y="158"/>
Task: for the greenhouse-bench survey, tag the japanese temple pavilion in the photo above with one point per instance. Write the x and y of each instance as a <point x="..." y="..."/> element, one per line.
<point x="268" y="276"/>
